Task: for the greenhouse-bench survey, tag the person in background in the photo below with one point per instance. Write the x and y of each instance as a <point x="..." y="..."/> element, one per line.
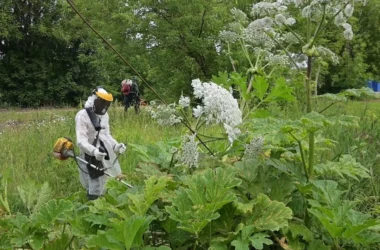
<point x="131" y="94"/>
<point x="96" y="144"/>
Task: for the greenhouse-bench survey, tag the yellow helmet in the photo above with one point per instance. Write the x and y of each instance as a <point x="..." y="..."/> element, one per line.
<point x="102" y="93"/>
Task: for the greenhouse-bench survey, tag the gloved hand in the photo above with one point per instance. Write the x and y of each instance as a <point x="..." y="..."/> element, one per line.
<point x="120" y="148"/>
<point x="99" y="155"/>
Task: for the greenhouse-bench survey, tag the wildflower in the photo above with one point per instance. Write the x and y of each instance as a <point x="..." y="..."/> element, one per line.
<point x="254" y="148"/>
<point x="189" y="153"/>
<point x="340" y="19"/>
<point x="219" y="106"/>
<point x="235" y="27"/>
<point x="280" y="19"/>
<point x="264" y="9"/>
<point x="261" y="24"/>
<point x="348" y="34"/>
<point x="289" y="37"/>
<point x="297" y="2"/>
<point x="290" y="21"/>
<point x="258" y="39"/>
<point x="228" y="36"/>
<point x="165" y="115"/>
<point x="254" y="33"/>
<point x="239" y="15"/>
<point x="347" y="26"/>
<point x="184" y="101"/>
<point x="281" y="60"/>
<point x="328" y="54"/>
<point x="198" y="111"/>
<point x="306" y="12"/>
<point x="232" y="132"/>
<point x="349" y="10"/>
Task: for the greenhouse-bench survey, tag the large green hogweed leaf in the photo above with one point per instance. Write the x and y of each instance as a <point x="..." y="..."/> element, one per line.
<point x="245" y="239"/>
<point x="206" y="192"/>
<point x="268" y="215"/>
<point x="123" y="234"/>
<point x="346" y="167"/>
<point x="153" y="187"/>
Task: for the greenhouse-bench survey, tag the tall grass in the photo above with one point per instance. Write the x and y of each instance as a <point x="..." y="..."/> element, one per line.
<point x="363" y="143"/>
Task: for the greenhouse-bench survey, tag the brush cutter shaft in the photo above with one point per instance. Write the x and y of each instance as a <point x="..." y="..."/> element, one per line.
<point x="70" y="153"/>
<point x="108" y="174"/>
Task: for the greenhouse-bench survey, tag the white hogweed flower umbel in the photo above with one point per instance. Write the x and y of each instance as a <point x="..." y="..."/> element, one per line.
<point x="349" y="10"/>
<point x="280" y="19"/>
<point x="254" y="148"/>
<point x="290" y="21"/>
<point x="239" y="15"/>
<point x="228" y="36"/>
<point x="219" y="106"/>
<point x="328" y="54"/>
<point x="184" y="101"/>
<point x="297" y="2"/>
<point x="189" y="153"/>
<point x="348" y="34"/>
<point x="166" y="115"/>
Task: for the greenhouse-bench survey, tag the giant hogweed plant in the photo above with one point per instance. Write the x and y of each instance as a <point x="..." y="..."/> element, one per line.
<point x="268" y="39"/>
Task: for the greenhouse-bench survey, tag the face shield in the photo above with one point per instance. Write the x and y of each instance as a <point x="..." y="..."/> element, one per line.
<point x="101" y="106"/>
<point x="102" y="102"/>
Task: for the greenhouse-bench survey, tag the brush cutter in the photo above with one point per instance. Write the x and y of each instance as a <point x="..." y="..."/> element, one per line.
<point x="64" y="149"/>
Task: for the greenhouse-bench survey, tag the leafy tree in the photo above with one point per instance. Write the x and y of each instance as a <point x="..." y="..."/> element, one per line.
<point x="352" y="69"/>
<point x="368" y="19"/>
<point x="40" y="62"/>
<point x="169" y="43"/>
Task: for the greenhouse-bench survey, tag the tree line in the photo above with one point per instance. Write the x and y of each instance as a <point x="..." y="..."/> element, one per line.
<point x="49" y="57"/>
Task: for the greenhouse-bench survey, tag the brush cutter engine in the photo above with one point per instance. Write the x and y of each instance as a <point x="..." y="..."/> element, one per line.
<point x="63" y="148"/>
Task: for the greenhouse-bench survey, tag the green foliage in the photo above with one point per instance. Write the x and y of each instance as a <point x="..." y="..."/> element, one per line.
<point x="298" y="229"/>
<point x="268" y="215"/>
<point x="40" y="56"/>
<point x="153" y="187"/>
<point x="280" y="92"/>
<point x="123" y="234"/>
<point x="246" y="239"/>
<point x="42" y="229"/>
<point x="339" y="218"/>
<point x="346" y="167"/>
<point x="159" y="154"/>
<point x="32" y="196"/>
<point x="197" y="204"/>
<point x="260" y="177"/>
<point x="4" y="197"/>
<point x="260" y="85"/>
<point x="263" y="90"/>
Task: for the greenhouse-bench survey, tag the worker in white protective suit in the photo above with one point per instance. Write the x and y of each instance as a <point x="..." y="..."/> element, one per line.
<point x="96" y="144"/>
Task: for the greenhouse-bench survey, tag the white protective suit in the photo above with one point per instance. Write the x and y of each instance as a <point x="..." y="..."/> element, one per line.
<point x="85" y="135"/>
